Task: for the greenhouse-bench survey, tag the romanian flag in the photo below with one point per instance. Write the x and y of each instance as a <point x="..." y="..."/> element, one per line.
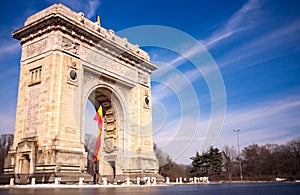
<point x="99" y="118"/>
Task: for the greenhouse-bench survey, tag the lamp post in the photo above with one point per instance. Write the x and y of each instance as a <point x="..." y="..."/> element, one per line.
<point x="238" y="143"/>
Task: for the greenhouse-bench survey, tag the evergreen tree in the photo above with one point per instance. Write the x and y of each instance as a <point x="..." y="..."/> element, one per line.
<point x="207" y="164"/>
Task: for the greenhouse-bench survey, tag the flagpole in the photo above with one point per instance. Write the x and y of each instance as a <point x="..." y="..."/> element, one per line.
<point x="94" y="178"/>
<point x="96" y="171"/>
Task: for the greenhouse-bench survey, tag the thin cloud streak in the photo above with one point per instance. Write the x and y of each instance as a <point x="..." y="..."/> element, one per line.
<point x="166" y="136"/>
<point x="269" y="121"/>
<point x="240" y="21"/>
<point x="88" y="7"/>
<point x="285" y="35"/>
<point x="93" y="5"/>
<point x="9" y="48"/>
<point x="186" y="78"/>
<point x="272" y="120"/>
<point x="7" y="123"/>
<point x="261" y="111"/>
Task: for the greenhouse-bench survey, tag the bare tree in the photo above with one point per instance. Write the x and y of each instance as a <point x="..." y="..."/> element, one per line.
<point x="89" y="143"/>
<point x="293" y="149"/>
<point x="160" y="155"/>
<point x="6" y="141"/>
<point x="229" y="156"/>
<point x="168" y="168"/>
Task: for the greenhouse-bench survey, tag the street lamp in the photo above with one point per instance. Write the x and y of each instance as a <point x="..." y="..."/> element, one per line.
<point x="238" y="143"/>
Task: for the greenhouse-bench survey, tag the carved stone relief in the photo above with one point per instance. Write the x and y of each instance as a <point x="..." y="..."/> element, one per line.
<point x="143" y="78"/>
<point x="109" y="128"/>
<point x="109" y="145"/>
<point x="35" y="48"/>
<point x="69" y="45"/>
<point x="32" y="111"/>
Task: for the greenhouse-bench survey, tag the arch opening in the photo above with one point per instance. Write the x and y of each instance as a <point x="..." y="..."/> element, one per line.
<point x="112" y="113"/>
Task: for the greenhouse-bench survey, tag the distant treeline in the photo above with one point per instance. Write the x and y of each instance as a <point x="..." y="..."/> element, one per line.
<point x="265" y="162"/>
<point x="6" y="140"/>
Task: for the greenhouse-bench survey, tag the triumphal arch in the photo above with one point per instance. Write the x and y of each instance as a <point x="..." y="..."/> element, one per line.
<point x="66" y="61"/>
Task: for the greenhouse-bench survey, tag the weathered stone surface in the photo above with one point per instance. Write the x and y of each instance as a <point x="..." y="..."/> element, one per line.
<point x="67" y="60"/>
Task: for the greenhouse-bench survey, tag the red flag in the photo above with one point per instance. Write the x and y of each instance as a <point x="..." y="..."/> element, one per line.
<point x="99" y="118"/>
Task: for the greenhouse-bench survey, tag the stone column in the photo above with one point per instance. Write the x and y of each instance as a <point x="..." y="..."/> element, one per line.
<point x="57" y="180"/>
<point x="104" y="179"/>
<point x="81" y="179"/>
<point x="167" y="180"/>
<point x="33" y="181"/>
<point x="11" y="182"/>
<point x="128" y="181"/>
<point x="154" y="180"/>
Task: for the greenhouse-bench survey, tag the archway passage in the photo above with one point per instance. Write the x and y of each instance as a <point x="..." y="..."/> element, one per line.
<point x="109" y="132"/>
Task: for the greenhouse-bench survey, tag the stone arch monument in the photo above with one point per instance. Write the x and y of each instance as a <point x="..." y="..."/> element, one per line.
<point x="66" y="61"/>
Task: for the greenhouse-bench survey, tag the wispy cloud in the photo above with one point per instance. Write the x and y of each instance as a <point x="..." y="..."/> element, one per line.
<point x="166" y="77"/>
<point x="179" y="133"/>
<point x="271" y="121"/>
<point x="88" y="7"/>
<point x="90" y="124"/>
<point x="241" y="20"/>
<point x="9" y="48"/>
<point x="93" y="5"/>
<point x="188" y="52"/>
<point x="268" y="122"/>
<point x="7" y="123"/>
<point x="275" y="41"/>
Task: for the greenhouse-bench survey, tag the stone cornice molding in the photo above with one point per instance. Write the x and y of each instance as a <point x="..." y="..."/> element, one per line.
<point x="59" y="17"/>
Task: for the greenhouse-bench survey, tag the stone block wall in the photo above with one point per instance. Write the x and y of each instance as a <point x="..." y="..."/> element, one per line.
<point x="65" y="59"/>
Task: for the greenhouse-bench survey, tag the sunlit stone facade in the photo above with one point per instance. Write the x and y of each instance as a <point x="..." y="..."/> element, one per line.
<point x="66" y="61"/>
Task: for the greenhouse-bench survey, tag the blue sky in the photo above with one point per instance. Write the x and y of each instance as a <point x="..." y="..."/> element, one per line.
<point x="255" y="45"/>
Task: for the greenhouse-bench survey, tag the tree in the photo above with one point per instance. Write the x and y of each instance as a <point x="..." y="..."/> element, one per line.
<point x="162" y="157"/>
<point x="208" y="164"/>
<point x="271" y="160"/>
<point x="294" y="148"/>
<point x="252" y="161"/>
<point x="165" y="169"/>
<point x="6" y="141"/>
<point x="229" y="156"/>
<point x="197" y="163"/>
<point x="289" y="156"/>
<point x="89" y="143"/>
<point x="168" y="168"/>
